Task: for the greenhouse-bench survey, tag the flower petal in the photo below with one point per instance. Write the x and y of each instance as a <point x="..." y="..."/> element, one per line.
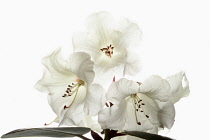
<point x="112" y="117"/>
<point x="132" y="116"/>
<point x="129" y="34"/>
<point x="101" y="24"/>
<point x="119" y="90"/>
<point x="93" y="100"/>
<point x="179" y="85"/>
<point x="92" y="123"/>
<point x="82" y="66"/>
<point x="161" y="114"/>
<point x="132" y="64"/>
<point x="156" y="88"/>
<point x="75" y="111"/>
<point x="166" y="115"/>
<point x="56" y="74"/>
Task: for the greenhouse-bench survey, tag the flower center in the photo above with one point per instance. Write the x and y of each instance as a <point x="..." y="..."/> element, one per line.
<point x="108" y="50"/>
<point x="138" y="103"/>
<point x="73" y="89"/>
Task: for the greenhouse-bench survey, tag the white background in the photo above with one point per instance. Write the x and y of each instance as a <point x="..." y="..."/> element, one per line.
<point x="176" y="37"/>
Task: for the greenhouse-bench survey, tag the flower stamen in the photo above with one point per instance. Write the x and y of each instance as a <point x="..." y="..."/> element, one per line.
<point x="108" y="50"/>
<point x="71" y="89"/>
<point x="51" y="122"/>
<point x="138" y="103"/>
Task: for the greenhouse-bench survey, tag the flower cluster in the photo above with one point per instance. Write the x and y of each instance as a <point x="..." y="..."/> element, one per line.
<point x="84" y="85"/>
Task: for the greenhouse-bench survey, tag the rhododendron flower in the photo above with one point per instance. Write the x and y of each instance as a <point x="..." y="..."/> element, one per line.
<point x="110" y="42"/>
<point x="143" y="106"/>
<point x="70" y="87"/>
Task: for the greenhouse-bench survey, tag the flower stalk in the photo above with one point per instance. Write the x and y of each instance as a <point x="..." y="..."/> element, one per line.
<point x="107" y="136"/>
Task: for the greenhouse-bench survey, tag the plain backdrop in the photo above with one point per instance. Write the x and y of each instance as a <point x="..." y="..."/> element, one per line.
<point x="176" y="36"/>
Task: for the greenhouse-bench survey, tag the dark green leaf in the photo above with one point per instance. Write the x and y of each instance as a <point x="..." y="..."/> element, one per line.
<point x="58" y="132"/>
<point x="147" y="136"/>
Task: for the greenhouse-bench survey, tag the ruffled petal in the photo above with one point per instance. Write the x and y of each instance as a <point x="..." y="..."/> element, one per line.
<point x="166" y="115"/>
<point x="112" y="117"/>
<point x="82" y="66"/>
<point x="129" y="34"/>
<point x="156" y="88"/>
<point x="56" y="73"/>
<point x="179" y="85"/>
<point x="93" y="100"/>
<point x="121" y="89"/>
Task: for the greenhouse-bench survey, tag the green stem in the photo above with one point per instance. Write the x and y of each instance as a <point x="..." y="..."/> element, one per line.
<point x="106" y="132"/>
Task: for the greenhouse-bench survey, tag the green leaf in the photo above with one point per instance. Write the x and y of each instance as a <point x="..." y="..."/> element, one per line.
<point x="58" y="132"/>
<point x="147" y="136"/>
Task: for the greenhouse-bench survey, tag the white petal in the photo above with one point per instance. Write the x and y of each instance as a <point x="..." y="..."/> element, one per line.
<point x="150" y="109"/>
<point x="91" y="123"/>
<point x="129" y="34"/>
<point x="66" y="122"/>
<point x="56" y="74"/>
<point x="132" y="115"/>
<point x="166" y="115"/>
<point x="93" y="100"/>
<point x="179" y="85"/>
<point x="82" y="66"/>
<point x="87" y="42"/>
<point x="105" y="78"/>
<point x="75" y="111"/>
<point x="132" y="64"/>
<point x="156" y="88"/>
<point x="121" y="89"/>
<point x="161" y="114"/>
<point x="102" y="25"/>
<point x="112" y="117"/>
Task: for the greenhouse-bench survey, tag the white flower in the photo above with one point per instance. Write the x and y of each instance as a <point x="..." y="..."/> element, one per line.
<point x="70" y="87"/>
<point x="179" y="86"/>
<point x="143" y="106"/>
<point x="110" y="43"/>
